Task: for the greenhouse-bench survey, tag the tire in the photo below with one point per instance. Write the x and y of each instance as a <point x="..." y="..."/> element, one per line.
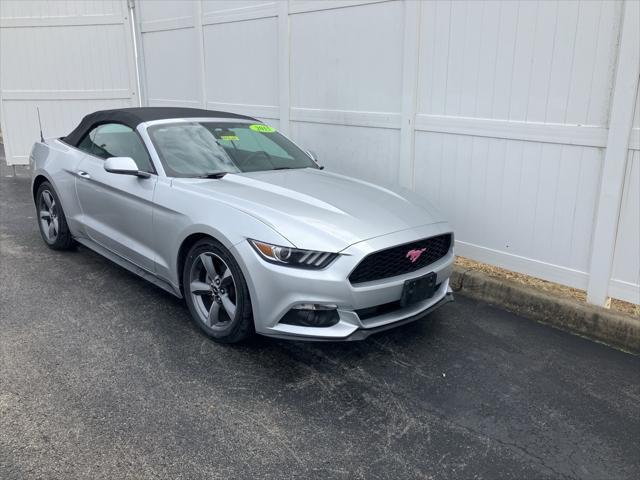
<point x="216" y="292"/>
<point x="52" y="222"/>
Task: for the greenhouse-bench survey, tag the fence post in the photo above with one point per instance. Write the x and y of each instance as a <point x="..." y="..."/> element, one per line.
<point x="138" y="61"/>
<point x="284" y="62"/>
<point x="615" y="159"/>
<point x="197" y="23"/>
<point x="410" y="62"/>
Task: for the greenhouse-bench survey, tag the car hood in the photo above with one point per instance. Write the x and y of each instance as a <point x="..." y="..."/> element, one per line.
<point x="319" y="210"/>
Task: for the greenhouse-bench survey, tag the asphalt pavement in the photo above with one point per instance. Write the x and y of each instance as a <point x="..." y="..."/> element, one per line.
<point x="104" y="376"/>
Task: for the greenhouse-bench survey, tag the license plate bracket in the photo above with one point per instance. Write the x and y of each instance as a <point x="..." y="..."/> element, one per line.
<point x="418" y="289"/>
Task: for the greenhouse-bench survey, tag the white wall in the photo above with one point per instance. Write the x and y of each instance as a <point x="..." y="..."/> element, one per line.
<point x="188" y="49"/>
<point x="524" y="87"/>
<point x="497" y="111"/>
<point x="67" y="58"/>
<point x="500" y="112"/>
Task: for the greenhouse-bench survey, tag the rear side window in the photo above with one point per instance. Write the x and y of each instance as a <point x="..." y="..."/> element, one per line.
<point x="116" y="140"/>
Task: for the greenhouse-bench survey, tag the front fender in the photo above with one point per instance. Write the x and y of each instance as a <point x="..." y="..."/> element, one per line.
<point x="56" y="162"/>
<point x="179" y="214"/>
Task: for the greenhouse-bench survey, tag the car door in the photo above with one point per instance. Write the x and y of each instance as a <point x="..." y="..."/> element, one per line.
<point x="117" y="209"/>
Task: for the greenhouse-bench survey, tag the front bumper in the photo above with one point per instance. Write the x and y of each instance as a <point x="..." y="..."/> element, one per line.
<point x="275" y="289"/>
<point x="362" y="333"/>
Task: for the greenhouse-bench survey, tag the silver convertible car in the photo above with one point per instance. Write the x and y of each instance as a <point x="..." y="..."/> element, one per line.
<point x="226" y="212"/>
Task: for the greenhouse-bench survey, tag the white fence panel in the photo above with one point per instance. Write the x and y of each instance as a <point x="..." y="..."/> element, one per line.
<point x="509" y="130"/>
<point x="241" y="57"/>
<point x="497" y="111"/>
<point x="220" y="55"/>
<point x="67" y="58"/>
<point x="171" y="57"/>
<point x="346" y="79"/>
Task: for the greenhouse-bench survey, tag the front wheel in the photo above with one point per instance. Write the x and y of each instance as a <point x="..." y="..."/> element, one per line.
<point x="216" y="292"/>
<point x="51" y="220"/>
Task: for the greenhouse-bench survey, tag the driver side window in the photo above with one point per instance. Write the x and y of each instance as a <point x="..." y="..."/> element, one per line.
<point x="116" y="140"/>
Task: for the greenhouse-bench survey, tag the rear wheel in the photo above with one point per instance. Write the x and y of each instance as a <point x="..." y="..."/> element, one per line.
<point x="216" y="292"/>
<point x="51" y="220"/>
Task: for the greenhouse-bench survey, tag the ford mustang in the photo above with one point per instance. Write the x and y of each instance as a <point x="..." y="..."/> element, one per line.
<point x="224" y="211"/>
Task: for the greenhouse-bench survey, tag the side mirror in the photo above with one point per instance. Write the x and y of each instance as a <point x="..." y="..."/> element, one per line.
<point x="124" y="166"/>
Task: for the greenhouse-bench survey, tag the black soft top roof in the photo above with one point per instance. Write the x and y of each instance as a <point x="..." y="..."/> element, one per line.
<point x="132" y="117"/>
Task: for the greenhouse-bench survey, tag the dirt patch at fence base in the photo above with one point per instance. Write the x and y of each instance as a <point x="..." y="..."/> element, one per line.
<point x="550" y="287"/>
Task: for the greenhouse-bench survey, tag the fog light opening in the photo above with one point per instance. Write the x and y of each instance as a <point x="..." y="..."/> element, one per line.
<point x="313" y="306"/>
<point x="312" y="315"/>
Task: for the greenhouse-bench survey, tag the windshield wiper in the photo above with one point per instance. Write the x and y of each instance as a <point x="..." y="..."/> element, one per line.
<point x="213" y="175"/>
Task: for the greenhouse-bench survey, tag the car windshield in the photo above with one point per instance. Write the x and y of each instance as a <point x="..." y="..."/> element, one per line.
<point x="196" y="149"/>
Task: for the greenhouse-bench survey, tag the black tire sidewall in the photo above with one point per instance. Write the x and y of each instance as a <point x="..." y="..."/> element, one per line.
<point x="242" y="325"/>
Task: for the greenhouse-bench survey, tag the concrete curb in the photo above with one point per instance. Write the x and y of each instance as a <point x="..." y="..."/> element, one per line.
<point x="613" y="328"/>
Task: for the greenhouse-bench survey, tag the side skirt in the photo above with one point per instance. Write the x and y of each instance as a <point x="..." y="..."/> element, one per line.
<point x="126" y="264"/>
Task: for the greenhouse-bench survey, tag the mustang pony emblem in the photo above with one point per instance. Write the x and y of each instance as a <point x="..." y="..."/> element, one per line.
<point x="414" y="255"/>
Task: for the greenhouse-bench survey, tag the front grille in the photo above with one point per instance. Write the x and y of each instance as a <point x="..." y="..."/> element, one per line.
<point x="396" y="261"/>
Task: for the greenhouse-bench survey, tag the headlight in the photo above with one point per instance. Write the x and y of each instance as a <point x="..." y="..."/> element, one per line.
<point x="293" y="257"/>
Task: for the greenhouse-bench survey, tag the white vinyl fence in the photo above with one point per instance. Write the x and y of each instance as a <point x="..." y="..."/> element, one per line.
<point x="66" y="58"/>
<point x="514" y="117"/>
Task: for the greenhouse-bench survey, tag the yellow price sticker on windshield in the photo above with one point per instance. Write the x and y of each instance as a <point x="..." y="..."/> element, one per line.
<point x="230" y="138"/>
<point x="262" y="128"/>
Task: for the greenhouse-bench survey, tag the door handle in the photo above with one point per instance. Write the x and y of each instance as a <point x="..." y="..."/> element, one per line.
<point x="83" y="174"/>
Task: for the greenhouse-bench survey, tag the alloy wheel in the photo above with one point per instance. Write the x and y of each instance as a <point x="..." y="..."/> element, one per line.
<point x="48" y="216"/>
<point x="213" y="291"/>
